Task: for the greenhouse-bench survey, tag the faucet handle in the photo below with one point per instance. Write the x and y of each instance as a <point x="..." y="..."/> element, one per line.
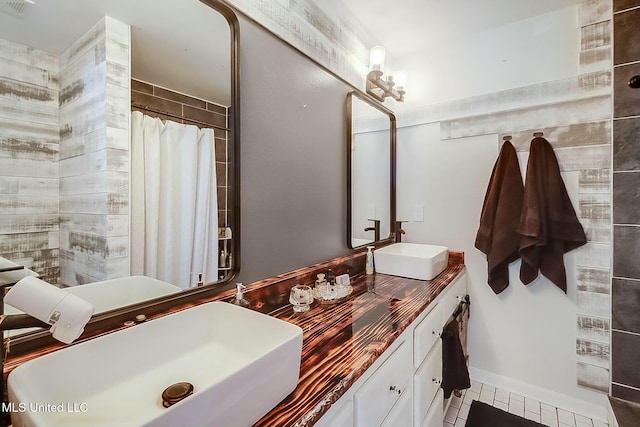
<point x="399" y="231"/>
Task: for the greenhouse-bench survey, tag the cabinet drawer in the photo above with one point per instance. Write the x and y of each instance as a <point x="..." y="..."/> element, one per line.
<point x="454" y="294"/>
<point x="435" y="415"/>
<point x="400" y="415"/>
<point x="426" y="334"/>
<point x="426" y="382"/>
<point x="381" y="391"/>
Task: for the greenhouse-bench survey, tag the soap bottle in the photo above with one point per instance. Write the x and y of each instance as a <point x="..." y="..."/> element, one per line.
<point x="369" y="262"/>
<point x="239" y="299"/>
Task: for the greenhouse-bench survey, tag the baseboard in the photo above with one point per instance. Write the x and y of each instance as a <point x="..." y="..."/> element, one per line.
<point x="578" y="406"/>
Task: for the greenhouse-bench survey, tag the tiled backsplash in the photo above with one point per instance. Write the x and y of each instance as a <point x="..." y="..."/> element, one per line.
<point x="626" y="219"/>
<point x="165" y="104"/>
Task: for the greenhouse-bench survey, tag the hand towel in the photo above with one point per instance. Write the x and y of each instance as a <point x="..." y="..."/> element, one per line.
<point x="497" y="236"/>
<point x="455" y="374"/>
<point x="548" y="225"/>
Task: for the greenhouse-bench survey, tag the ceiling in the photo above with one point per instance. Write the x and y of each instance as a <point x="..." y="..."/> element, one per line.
<point x="169" y="38"/>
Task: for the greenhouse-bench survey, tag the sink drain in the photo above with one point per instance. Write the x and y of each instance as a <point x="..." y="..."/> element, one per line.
<point x="175" y="393"/>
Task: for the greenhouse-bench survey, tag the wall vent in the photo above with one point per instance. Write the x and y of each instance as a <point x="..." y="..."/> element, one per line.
<point x="15" y="7"/>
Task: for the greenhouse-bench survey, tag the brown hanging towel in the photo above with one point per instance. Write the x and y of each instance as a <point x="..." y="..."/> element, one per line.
<point x="498" y="236"/>
<point x="548" y="225"/>
<point x="455" y="374"/>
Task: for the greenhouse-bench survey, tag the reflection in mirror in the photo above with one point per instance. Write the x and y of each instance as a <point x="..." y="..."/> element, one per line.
<point x="66" y="164"/>
<point x="371" y="136"/>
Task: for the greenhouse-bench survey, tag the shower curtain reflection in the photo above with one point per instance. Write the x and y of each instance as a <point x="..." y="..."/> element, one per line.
<point x="174" y="212"/>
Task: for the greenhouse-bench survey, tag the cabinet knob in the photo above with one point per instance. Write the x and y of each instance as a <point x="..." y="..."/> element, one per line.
<point x="437" y="333"/>
<point x="436" y="381"/>
<point x="395" y="389"/>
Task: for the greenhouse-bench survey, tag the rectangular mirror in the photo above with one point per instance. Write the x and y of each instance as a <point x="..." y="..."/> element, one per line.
<point x="69" y="181"/>
<point x="371" y="136"/>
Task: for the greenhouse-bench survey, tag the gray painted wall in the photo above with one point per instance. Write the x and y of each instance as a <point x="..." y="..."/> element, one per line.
<point x="293" y="158"/>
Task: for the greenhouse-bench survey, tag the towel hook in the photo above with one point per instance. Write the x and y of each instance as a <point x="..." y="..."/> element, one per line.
<point x="538" y="134"/>
<point x="634" y="82"/>
<point x="507" y="138"/>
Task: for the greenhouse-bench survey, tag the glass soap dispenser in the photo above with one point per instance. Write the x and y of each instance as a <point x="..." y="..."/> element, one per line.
<point x="239" y="299"/>
<point x="369" y="269"/>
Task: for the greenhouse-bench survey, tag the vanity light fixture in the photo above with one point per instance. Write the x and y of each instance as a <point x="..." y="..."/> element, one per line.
<point x="379" y="87"/>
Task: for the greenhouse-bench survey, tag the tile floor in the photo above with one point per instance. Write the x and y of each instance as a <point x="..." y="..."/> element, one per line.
<point x="542" y="413"/>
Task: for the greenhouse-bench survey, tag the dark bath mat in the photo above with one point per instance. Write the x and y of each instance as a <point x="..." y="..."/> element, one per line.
<point x="483" y="415"/>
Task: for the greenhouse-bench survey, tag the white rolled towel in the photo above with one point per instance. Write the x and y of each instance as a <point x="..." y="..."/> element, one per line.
<point x="67" y="313"/>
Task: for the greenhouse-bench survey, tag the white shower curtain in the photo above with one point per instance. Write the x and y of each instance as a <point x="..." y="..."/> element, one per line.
<point x="174" y="208"/>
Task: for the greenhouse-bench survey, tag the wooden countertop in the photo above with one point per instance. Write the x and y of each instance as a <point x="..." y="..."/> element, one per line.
<point x="341" y="341"/>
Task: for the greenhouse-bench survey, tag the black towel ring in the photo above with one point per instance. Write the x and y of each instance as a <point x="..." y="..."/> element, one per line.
<point x="634" y="82"/>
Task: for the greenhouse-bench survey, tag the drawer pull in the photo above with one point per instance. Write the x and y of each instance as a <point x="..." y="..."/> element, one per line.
<point x="436" y="381"/>
<point x="437" y="333"/>
<point x="395" y="389"/>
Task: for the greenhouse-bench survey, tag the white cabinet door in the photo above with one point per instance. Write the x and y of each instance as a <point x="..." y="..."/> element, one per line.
<point x="435" y="416"/>
<point x="426" y="382"/>
<point x="344" y="416"/>
<point x="426" y="334"/>
<point x="383" y="389"/>
<point x="400" y="415"/>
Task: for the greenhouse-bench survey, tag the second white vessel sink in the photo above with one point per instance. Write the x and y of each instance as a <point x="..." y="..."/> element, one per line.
<point x="241" y="364"/>
<point x="412" y="260"/>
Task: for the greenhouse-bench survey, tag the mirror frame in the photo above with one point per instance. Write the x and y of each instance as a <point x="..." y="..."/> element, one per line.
<point x="107" y="321"/>
<point x="392" y="179"/>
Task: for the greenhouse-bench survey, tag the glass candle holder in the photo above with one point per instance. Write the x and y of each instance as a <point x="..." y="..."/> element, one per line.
<point x="301" y="297"/>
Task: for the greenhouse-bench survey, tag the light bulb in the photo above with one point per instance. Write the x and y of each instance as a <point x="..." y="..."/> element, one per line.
<point x="401" y="80"/>
<point x="376" y="58"/>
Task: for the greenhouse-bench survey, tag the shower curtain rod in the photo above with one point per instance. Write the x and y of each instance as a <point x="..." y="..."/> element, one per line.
<point x="209" y="125"/>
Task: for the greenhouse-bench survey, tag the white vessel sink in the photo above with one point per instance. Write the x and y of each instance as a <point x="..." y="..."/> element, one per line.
<point x="241" y="364"/>
<point x="114" y="293"/>
<point x="110" y="294"/>
<point x="413" y="260"/>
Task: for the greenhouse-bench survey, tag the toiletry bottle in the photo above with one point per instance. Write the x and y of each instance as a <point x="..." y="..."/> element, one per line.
<point x="369" y="262"/>
<point x="222" y="261"/>
<point x="239" y="299"/>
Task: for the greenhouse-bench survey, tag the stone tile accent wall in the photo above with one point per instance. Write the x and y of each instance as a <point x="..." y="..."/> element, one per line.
<point x="626" y="201"/>
<point x="165" y="104"/>
<point x="94" y="158"/>
<point x="29" y="148"/>
<point x="327" y="32"/>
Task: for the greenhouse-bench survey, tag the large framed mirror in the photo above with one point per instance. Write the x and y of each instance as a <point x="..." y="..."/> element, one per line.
<point x="371" y="151"/>
<point x="79" y="76"/>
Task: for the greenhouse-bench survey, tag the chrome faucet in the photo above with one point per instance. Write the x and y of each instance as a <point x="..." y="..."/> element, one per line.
<point x="375" y="229"/>
<point x="399" y="231"/>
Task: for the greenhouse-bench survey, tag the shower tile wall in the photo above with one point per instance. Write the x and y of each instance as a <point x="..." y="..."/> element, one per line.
<point x="29" y="147"/>
<point x="626" y="200"/>
<point x="165" y="104"/>
<point x="94" y="158"/>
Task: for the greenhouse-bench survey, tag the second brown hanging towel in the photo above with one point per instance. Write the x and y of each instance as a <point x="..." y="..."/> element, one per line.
<point x="549" y="226"/>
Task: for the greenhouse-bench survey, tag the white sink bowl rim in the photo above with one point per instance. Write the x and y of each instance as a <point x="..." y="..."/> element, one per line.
<point x="241" y="363"/>
<point x="412" y="260"/>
